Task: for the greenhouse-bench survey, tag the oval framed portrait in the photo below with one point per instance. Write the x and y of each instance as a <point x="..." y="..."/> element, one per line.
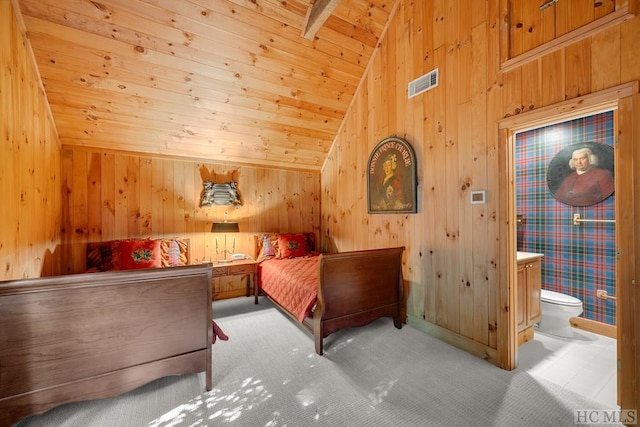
<point x="582" y="174"/>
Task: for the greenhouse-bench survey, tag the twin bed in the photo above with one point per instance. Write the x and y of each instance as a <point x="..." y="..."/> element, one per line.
<point x="328" y="292"/>
<point x="96" y="335"/>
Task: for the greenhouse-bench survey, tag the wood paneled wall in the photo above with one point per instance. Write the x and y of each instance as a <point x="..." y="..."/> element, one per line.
<point x="109" y="195"/>
<point x="530" y="26"/>
<point x="452" y="261"/>
<point x="30" y="208"/>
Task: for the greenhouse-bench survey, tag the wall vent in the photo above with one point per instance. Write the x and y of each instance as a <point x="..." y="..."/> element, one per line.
<point x="423" y="84"/>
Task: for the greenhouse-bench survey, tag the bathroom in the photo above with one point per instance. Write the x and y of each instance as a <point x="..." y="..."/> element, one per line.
<point x="579" y="256"/>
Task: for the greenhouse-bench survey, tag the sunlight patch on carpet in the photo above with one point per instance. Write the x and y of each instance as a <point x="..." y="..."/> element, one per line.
<point x="229" y="407"/>
<point x="177" y="415"/>
<point x="381" y="391"/>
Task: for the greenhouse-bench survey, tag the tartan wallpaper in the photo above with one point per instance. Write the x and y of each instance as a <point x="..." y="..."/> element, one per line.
<point x="577" y="260"/>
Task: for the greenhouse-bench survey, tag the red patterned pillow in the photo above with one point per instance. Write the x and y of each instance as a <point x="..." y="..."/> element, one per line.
<point x="140" y="254"/>
<point x="292" y="245"/>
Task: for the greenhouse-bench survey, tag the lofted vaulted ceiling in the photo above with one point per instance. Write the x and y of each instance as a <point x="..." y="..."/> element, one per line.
<point x="221" y="80"/>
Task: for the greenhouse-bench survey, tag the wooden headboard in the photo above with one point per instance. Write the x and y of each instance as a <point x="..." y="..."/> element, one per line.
<point x="257" y="245"/>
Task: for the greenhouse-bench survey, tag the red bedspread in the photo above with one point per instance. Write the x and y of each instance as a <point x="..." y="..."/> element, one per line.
<point x="292" y="283"/>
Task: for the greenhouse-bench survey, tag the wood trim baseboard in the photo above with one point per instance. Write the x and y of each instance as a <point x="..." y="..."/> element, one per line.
<point x="478" y="349"/>
<point x="595" y="327"/>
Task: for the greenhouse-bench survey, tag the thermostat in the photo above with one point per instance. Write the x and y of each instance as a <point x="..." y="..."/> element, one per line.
<point x="478" y="197"/>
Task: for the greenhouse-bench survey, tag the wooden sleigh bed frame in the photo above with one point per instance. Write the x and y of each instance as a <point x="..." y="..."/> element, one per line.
<point x="96" y="335"/>
<point x="355" y="288"/>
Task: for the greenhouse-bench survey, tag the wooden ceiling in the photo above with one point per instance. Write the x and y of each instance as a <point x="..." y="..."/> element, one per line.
<point x="221" y="80"/>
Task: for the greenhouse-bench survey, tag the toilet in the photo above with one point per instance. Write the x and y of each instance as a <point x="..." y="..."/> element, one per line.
<point x="557" y="309"/>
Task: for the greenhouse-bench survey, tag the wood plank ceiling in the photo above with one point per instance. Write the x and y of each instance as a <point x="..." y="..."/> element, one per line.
<point x="221" y="80"/>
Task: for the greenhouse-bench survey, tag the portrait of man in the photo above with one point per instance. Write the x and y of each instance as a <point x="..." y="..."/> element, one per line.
<point x="582" y="174"/>
<point x="391" y="177"/>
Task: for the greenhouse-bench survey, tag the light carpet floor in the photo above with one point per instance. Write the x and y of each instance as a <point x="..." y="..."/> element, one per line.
<point x="268" y="374"/>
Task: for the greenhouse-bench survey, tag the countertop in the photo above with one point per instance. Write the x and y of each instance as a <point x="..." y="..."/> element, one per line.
<point x="526" y="256"/>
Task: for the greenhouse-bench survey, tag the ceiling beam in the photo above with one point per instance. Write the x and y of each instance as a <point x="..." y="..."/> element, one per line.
<point x="316" y="15"/>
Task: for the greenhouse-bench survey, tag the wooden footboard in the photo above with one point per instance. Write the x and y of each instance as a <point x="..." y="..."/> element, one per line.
<point x="89" y="336"/>
<point x="357" y="288"/>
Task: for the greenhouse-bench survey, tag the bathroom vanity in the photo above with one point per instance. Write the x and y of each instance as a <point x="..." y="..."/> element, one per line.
<point x="528" y="287"/>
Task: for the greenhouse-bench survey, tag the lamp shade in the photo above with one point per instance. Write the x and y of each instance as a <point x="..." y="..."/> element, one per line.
<point x="225" y="227"/>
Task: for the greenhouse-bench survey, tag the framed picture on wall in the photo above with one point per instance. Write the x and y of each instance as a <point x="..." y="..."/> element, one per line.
<point x="391" y="177"/>
<point x="582" y="174"/>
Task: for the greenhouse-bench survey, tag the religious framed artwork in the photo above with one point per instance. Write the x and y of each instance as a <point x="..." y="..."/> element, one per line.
<point x="582" y="174"/>
<point x="391" y="177"/>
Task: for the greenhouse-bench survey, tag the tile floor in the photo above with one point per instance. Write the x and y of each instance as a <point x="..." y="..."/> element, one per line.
<point x="585" y="364"/>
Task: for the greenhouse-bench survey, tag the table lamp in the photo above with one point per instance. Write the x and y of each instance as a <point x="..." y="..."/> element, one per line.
<point x="225" y="227"/>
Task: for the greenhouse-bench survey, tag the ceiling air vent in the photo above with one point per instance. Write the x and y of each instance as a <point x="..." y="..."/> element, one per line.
<point x="424" y="83"/>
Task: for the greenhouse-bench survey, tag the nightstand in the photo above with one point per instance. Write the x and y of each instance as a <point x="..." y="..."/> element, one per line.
<point x="245" y="267"/>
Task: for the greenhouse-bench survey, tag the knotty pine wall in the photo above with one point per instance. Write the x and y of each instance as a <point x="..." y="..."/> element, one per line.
<point x="109" y="195"/>
<point x="30" y="198"/>
<point x="452" y="247"/>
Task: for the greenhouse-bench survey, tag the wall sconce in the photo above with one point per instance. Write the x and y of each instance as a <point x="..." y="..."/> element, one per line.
<point x="225" y="227"/>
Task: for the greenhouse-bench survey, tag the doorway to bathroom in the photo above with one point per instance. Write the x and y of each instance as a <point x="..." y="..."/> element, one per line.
<point x="565" y="171"/>
<point x="574" y="228"/>
<point x="624" y="104"/>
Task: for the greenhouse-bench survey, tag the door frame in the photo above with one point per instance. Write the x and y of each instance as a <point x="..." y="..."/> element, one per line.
<point x="625" y="100"/>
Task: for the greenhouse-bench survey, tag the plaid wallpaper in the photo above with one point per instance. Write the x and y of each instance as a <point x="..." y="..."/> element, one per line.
<point x="578" y="260"/>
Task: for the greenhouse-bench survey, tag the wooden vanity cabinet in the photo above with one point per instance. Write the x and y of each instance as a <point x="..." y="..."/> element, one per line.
<point x="528" y="312"/>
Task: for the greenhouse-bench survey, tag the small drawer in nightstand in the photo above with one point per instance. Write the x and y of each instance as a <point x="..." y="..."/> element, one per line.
<point x="220" y="270"/>
<point x="240" y="268"/>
